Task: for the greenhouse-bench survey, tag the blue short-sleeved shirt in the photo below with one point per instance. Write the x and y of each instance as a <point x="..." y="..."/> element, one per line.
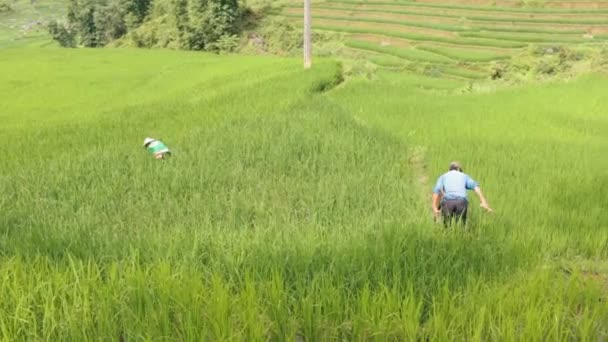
<point x="454" y="184"/>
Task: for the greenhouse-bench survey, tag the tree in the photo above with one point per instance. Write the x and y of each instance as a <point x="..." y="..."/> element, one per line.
<point x="62" y="34"/>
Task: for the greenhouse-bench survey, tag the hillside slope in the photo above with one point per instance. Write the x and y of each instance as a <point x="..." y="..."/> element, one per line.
<point x="463" y="39"/>
<point x="26" y="21"/>
<point x="290" y="214"/>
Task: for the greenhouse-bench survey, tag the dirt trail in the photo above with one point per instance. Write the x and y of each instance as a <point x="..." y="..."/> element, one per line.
<point x="417" y="163"/>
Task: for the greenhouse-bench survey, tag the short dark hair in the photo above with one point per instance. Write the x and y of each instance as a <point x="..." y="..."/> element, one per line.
<point x="455" y="166"/>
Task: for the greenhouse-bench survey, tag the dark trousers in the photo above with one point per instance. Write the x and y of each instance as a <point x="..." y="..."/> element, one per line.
<point x="454" y="209"/>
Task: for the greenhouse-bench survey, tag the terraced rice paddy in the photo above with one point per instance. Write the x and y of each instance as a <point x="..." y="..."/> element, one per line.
<point x="458" y="33"/>
<point x="26" y="24"/>
<point x="292" y="210"/>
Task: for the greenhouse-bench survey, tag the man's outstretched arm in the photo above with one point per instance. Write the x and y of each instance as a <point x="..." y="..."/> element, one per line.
<point x="437" y="192"/>
<point x="483" y="202"/>
<point x="435" y="204"/>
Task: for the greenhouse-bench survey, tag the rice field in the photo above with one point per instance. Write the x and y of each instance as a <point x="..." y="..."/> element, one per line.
<point x="292" y="209"/>
<point x="464" y="31"/>
<point x="26" y="23"/>
<point x="296" y="205"/>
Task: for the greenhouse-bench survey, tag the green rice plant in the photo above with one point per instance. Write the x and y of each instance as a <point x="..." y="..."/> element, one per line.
<point x="421" y="37"/>
<point x="521" y="29"/>
<point x="464" y="54"/>
<point x="475" y="8"/>
<point x="292" y="209"/>
<point x="386" y="60"/>
<point x="514" y="19"/>
<point x="25" y="24"/>
<point x="411" y="54"/>
<point x="463" y="72"/>
<point x="430" y="82"/>
<point x="406" y="23"/>
<point x="527" y="37"/>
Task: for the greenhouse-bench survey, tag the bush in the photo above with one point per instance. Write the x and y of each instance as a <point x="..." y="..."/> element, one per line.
<point x="62" y="34"/>
<point x="277" y="36"/>
<point x="5" y="7"/>
<point x="158" y="32"/>
<point x="547" y="66"/>
<point x="432" y="71"/>
<point x="498" y="70"/>
<point x="227" y="43"/>
<point x="208" y="20"/>
<point x="109" y="23"/>
<point x="186" y="24"/>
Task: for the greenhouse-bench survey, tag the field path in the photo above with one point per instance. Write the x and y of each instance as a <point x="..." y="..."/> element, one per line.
<point x="416" y="162"/>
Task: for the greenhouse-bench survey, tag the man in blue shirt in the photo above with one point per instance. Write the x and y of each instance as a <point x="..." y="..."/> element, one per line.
<point x="450" y="195"/>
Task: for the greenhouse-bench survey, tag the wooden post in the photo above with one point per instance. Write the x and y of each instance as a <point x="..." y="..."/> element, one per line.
<point x="307" y="35"/>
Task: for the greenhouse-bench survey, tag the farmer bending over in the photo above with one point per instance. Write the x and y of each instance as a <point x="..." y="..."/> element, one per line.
<point x="157" y="148"/>
<point x="450" y="195"/>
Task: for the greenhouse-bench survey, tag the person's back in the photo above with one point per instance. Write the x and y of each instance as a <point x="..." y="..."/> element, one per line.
<point x="450" y="194"/>
<point x="157" y="148"/>
<point x="455" y="184"/>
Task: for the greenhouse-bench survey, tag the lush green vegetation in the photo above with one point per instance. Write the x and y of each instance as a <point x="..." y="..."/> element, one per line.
<point x="474" y="17"/>
<point x="471" y="34"/>
<point x="529" y="29"/>
<point x="25" y="22"/>
<point x="433" y="26"/>
<point x="293" y="208"/>
<point x="463" y="72"/>
<point x="411" y="54"/>
<point x="529" y="37"/>
<point x="465" y="54"/>
<point x="475" y="8"/>
<point x="184" y="24"/>
<point x="422" y="37"/>
<point x="384" y="60"/>
<point x="287" y="213"/>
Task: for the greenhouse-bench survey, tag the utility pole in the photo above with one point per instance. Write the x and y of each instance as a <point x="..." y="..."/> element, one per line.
<point x="307" y="35"/>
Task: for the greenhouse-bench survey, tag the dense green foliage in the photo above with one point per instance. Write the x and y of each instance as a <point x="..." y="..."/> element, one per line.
<point x="25" y="22"/>
<point x="465" y="54"/>
<point x="184" y="24"/>
<point x="287" y="213"/>
<point x="5" y="7"/>
<point x="406" y="53"/>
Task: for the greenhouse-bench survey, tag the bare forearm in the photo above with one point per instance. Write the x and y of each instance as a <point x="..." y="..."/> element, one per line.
<point x="479" y="194"/>
<point x="435" y="203"/>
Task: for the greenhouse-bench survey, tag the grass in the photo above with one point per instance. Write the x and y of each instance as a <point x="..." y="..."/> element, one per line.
<point x="26" y="24"/>
<point x="465" y="54"/>
<point x="475" y="8"/>
<point x="463" y="72"/>
<point x="386" y="60"/>
<point x="463" y="37"/>
<point x="530" y="30"/>
<point x="528" y="37"/>
<point x="514" y="19"/>
<point x="448" y="27"/>
<point x="287" y="213"/>
<point x="441" y="27"/>
<point x="411" y="54"/>
<point x="421" y="37"/>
